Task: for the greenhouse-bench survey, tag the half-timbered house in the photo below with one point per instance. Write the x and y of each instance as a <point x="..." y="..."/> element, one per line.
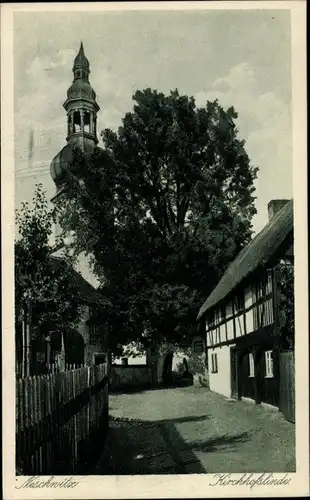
<point x="242" y="317"/>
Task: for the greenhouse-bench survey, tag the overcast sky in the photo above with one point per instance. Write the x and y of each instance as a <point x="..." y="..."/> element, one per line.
<point x="240" y="57"/>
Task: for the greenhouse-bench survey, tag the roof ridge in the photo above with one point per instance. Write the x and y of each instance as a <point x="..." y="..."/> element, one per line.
<point x="264" y="247"/>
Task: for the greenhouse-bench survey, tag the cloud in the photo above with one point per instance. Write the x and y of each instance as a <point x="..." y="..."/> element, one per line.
<point x="264" y="121"/>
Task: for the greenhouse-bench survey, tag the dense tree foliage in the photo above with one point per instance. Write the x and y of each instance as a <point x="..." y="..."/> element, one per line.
<point x="162" y="210"/>
<point x="43" y="285"/>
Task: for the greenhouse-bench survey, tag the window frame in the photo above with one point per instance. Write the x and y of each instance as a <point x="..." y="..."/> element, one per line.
<point x="214" y="364"/>
<point x="201" y="348"/>
<point x="251" y="365"/>
<point x="269" y="368"/>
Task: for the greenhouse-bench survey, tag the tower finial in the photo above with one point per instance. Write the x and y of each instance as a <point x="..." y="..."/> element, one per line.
<point x="81" y="61"/>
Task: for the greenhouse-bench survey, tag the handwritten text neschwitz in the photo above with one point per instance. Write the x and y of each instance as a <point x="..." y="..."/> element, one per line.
<point x="250" y="479"/>
<point x="39" y="482"/>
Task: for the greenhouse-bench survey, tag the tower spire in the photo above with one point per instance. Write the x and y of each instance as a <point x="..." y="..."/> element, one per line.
<point x="81" y="107"/>
<point x="81" y="64"/>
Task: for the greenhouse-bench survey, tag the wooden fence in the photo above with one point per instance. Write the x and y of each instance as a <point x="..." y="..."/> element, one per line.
<point x="58" y="416"/>
<point x="46" y="369"/>
<point x="287" y="385"/>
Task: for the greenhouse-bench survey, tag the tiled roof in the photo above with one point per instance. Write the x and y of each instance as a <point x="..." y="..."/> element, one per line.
<point x="257" y="253"/>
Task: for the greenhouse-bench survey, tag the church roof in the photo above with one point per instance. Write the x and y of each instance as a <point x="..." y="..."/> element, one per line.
<point x="257" y="253"/>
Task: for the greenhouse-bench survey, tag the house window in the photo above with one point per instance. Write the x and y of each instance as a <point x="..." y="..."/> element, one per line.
<point x="251" y="365"/>
<point x="218" y="334"/>
<point x="198" y="346"/>
<point x="269" y="364"/>
<point x="214" y="368"/>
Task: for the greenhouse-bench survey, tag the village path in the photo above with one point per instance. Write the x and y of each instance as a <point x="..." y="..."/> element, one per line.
<point x="192" y="430"/>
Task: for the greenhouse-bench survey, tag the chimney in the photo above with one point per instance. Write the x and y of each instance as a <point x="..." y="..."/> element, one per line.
<point x="274" y="206"/>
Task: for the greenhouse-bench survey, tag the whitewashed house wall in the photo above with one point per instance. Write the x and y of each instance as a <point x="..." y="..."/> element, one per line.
<point x="220" y="382"/>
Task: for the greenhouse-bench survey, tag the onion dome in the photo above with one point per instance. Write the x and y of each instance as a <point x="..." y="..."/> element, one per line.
<point x="81" y="89"/>
<point x="60" y="164"/>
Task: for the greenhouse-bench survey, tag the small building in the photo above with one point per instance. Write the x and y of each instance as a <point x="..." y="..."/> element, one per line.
<point x="83" y="345"/>
<point x="242" y="317"/>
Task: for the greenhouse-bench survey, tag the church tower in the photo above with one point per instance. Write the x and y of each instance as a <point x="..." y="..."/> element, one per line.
<point x="81" y="107"/>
